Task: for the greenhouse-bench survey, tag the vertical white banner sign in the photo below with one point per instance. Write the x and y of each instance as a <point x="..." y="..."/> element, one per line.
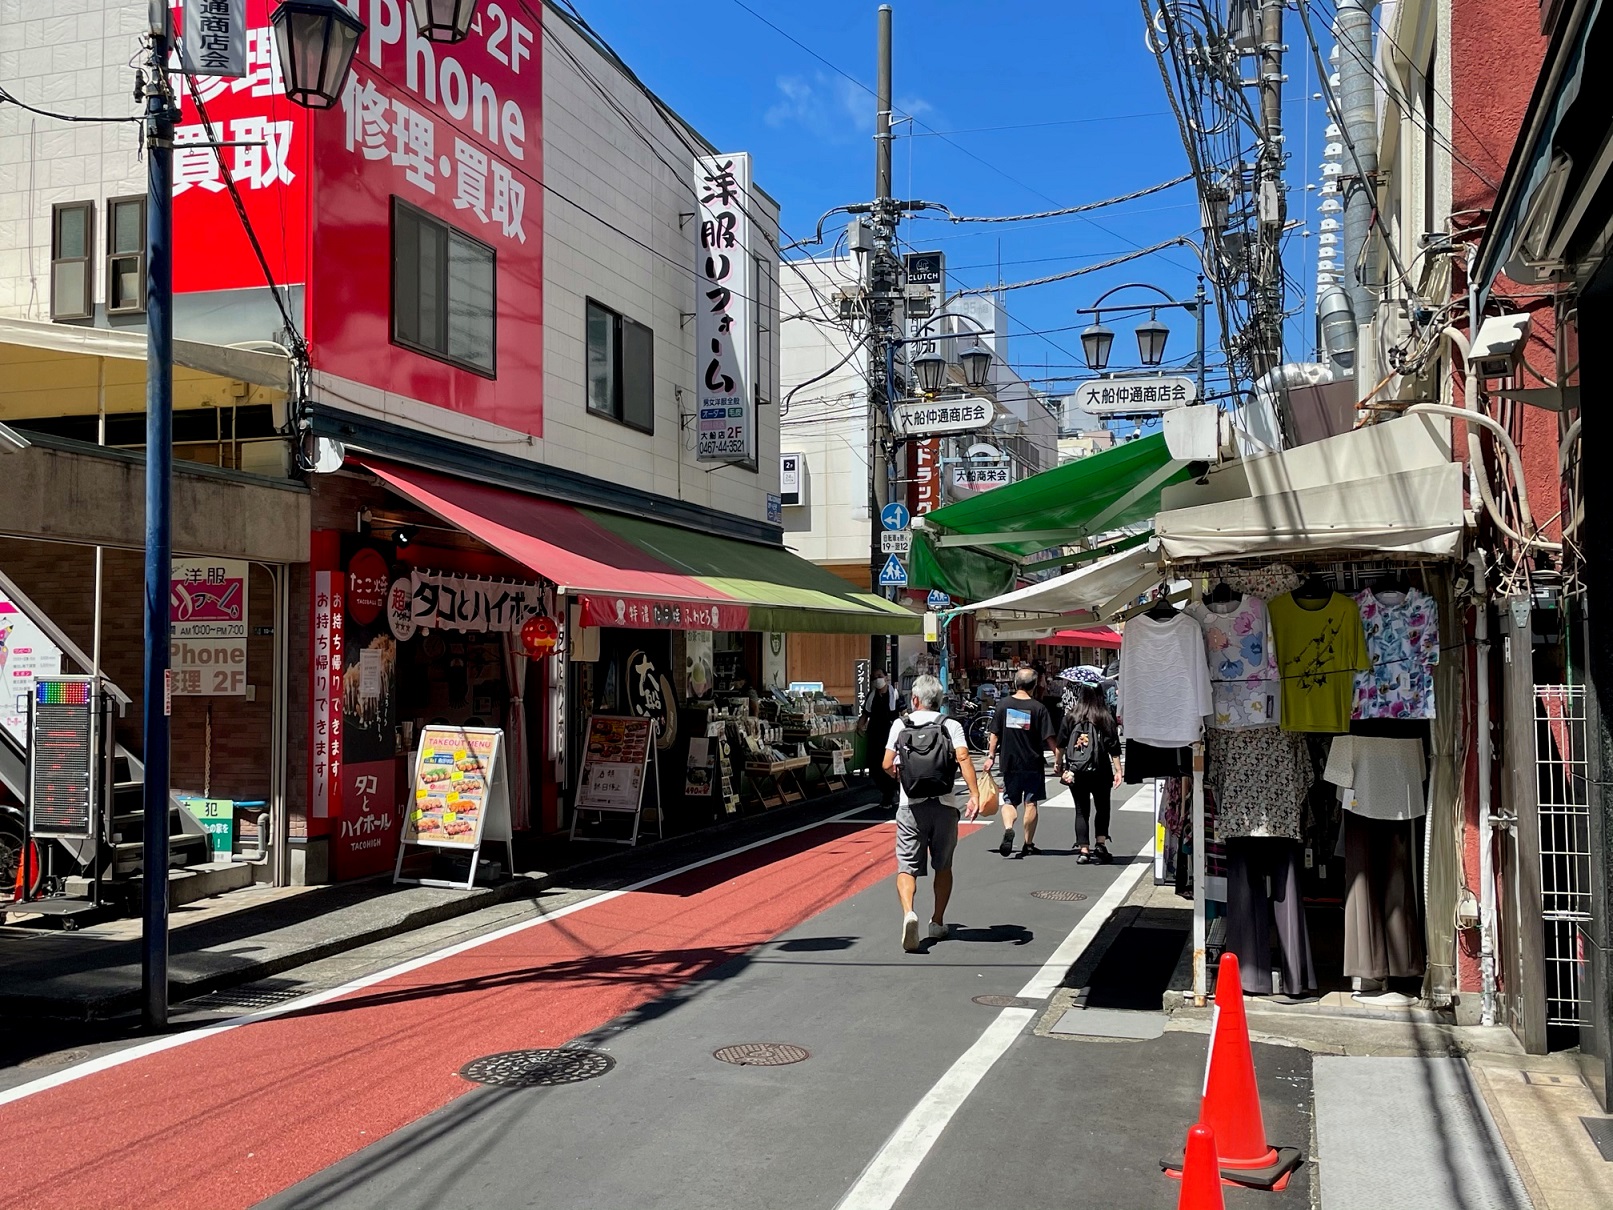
<point x="213" y="39"/>
<point x="725" y="324"/>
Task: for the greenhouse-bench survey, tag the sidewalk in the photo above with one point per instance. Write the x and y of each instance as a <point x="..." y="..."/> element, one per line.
<point x="257" y="932"/>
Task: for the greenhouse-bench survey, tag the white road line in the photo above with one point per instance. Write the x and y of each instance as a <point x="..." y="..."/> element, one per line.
<point x="173" y="1041"/>
<point x="893" y="1166"/>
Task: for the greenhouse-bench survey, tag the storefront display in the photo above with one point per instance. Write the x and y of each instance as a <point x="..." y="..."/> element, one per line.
<point x="461" y="796"/>
<point x="619" y="774"/>
<point x="1320" y="648"/>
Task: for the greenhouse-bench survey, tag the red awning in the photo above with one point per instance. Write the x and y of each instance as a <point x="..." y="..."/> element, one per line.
<point x="1097" y="636"/>
<point x="511" y="522"/>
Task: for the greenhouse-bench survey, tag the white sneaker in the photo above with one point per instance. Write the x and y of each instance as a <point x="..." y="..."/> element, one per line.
<point x="936" y="932"/>
<point x="910" y="932"/>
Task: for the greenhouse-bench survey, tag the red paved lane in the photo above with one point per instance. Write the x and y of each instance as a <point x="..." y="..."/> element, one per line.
<point x="231" y="1119"/>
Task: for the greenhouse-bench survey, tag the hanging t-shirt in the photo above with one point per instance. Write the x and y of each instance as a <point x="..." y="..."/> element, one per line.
<point x="1319" y="651"/>
<point x="1402" y="632"/>
<point x="1384" y="776"/>
<point x="1164" y="681"/>
<point x="1243" y="668"/>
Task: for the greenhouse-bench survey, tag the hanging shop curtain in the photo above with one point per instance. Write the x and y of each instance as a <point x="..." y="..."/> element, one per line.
<point x="515" y="668"/>
<point x="963" y="574"/>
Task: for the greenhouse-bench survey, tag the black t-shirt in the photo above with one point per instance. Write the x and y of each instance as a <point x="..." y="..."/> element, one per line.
<point x="1022" y="726"/>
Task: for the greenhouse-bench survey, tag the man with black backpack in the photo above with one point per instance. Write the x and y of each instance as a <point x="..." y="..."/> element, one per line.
<point x="926" y="753"/>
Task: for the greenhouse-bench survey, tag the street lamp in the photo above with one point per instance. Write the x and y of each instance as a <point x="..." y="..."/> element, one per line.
<point x="1151" y="337"/>
<point x="443" y="20"/>
<point x="976" y="362"/>
<point x="1096" y="341"/>
<point x="932" y="371"/>
<point x="316" y="40"/>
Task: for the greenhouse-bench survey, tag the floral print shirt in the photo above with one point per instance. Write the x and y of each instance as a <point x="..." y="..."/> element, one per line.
<point x="1402" y="632"/>
<point x="1243" y="664"/>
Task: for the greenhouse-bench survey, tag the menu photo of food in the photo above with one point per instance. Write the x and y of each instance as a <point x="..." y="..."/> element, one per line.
<point x="450" y="789"/>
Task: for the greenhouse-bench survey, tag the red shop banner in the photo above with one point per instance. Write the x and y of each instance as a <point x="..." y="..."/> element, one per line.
<point x="649" y="613"/>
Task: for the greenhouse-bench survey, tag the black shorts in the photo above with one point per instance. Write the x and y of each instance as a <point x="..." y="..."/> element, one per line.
<point x="1022" y="785"/>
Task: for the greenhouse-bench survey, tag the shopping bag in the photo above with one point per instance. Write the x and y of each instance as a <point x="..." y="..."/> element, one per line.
<point x="990" y="800"/>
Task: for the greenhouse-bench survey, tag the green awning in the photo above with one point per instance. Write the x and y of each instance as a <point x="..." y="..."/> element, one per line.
<point x="784" y="592"/>
<point x="963" y="574"/>
<point x="1102" y="492"/>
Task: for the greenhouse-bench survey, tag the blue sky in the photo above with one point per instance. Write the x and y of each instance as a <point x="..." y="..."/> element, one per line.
<point x="1040" y="104"/>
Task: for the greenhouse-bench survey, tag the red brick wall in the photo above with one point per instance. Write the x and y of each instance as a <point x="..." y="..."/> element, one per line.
<point x="60" y="579"/>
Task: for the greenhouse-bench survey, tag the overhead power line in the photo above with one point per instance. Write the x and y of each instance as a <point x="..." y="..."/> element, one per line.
<point x="1108" y="201"/>
<point x="1173" y="242"/>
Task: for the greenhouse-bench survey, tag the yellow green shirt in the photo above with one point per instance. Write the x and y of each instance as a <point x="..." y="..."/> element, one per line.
<point x="1319" y="651"/>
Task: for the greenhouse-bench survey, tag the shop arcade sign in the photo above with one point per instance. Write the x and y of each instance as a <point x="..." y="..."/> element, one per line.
<point x="1128" y="396"/>
<point x="923" y="417"/>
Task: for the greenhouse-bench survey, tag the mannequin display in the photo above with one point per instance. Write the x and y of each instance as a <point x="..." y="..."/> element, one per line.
<point x="1401" y="627"/>
<point x="1164" y="692"/>
<point x="1381" y="784"/>
<point x="1320" y="647"/>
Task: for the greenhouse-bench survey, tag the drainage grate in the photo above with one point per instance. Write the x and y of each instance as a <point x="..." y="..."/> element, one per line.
<point x="1060" y="896"/>
<point x="244" y="999"/>
<point x="536" y="1068"/>
<point x="60" y="1058"/>
<point x="762" y="1054"/>
<point x="1005" y="1002"/>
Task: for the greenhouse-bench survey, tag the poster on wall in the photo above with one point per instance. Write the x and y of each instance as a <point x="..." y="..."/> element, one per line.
<point x="775" y="662"/>
<point x="699" y="664"/>
<point x="25" y="653"/>
<point x="697" y="781"/>
<point x="207" y="616"/>
<point x="615" y="761"/>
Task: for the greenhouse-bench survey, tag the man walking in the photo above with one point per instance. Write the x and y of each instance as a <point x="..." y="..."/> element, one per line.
<point x="926" y="753"/>
<point x="1022" y="729"/>
<point x="880" y="709"/>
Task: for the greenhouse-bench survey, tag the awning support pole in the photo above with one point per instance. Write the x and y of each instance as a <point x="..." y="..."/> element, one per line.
<point x="1200" y="973"/>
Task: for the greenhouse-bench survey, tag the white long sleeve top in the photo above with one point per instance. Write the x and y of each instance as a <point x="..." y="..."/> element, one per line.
<point x="1164" y="681"/>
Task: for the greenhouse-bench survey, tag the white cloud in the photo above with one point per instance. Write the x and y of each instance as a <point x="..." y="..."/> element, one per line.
<point x="833" y="108"/>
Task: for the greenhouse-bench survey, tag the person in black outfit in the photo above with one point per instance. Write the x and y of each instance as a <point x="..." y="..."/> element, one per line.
<point x="1021" y="730"/>
<point x="1088" y="761"/>
<point x="880" y="710"/>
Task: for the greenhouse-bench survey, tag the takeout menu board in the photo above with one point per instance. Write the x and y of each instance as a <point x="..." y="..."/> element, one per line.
<point x="452" y="770"/>
<point x="613" y="763"/>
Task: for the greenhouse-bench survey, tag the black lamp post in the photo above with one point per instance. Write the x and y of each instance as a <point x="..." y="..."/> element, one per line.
<point x="932" y="371"/>
<point x="976" y="362"/>
<point x="443" y="20"/>
<point x="1151" y="337"/>
<point x="316" y="40"/>
<point x="1096" y="341"/>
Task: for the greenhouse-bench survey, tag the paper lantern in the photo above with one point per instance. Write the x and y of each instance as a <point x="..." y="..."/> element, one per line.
<point x="538" y="635"/>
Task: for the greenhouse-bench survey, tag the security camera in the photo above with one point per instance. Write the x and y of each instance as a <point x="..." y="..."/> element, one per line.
<point x="1498" y="348"/>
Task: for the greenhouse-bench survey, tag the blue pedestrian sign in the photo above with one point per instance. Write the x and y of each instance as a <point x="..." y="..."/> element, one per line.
<point x="937" y="599"/>
<point x="895" y="516"/>
<point x="893" y="574"/>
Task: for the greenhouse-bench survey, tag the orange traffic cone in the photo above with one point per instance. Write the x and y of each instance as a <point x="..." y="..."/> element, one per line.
<point x="1201" y="1181"/>
<point x="1231" y="1102"/>
<point x="24" y="872"/>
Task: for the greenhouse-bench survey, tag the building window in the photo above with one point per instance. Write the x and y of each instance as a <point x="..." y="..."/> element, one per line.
<point x="444" y="289"/>
<point x="71" y="231"/>
<point x="125" y="255"/>
<point x="621" y="368"/>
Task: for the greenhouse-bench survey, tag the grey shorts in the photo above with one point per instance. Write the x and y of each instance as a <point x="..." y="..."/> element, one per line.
<point x="925" y="829"/>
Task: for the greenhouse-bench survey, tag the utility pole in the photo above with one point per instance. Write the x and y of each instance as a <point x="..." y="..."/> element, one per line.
<point x="159" y="541"/>
<point x="882" y="286"/>
<point x="1271" y="198"/>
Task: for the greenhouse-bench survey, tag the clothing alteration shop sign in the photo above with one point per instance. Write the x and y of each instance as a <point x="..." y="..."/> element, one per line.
<point x="725" y="289"/>
<point x="447" y="602"/>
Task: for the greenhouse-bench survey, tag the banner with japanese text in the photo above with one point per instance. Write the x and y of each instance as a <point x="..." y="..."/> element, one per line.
<point x="268" y="160"/>
<point x="450" y="137"/>
<point x="725" y="311"/>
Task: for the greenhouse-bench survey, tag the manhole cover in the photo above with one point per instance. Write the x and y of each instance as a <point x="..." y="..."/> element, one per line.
<point x="762" y="1054"/>
<point x="534" y="1068"/>
<point x="1005" y="1001"/>
<point x="60" y="1059"/>
<point x="1060" y="896"/>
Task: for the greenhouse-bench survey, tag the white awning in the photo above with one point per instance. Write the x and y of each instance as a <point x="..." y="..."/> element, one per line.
<point x="1386" y="489"/>
<point x="1084" y="595"/>
<point x="261" y="368"/>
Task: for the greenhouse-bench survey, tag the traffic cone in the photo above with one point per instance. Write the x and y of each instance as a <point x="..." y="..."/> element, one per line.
<point x="1201" y="1181"/>
<point x="24" y="872"/>
<point x="1231" y="1101"/>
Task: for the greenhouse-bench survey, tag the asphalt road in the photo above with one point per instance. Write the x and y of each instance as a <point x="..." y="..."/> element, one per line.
<point x="913" y="1094"/>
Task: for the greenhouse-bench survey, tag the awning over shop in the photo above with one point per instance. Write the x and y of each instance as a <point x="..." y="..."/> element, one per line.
<point x="1089" y="594"/>
<point x="1387" y="489"/>
<point x="634" y="573"/>
<point x="1068" y="504"/>
<point x="1097" y="636"/>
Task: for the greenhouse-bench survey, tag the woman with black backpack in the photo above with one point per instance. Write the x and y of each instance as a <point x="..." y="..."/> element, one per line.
<point x="1088" y="761"/>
